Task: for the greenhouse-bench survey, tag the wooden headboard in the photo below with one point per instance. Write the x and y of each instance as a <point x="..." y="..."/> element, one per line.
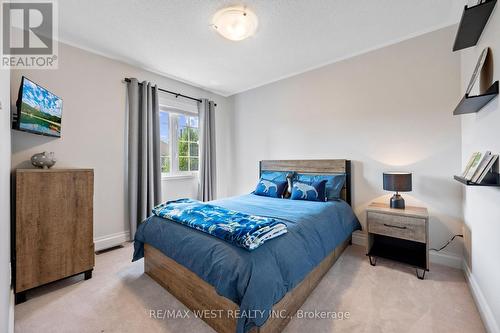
<point x="313" y="166"/>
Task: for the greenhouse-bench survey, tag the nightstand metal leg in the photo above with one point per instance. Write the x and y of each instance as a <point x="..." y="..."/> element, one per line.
<point x="421" y="277"/>
<point x="373" y="260"/>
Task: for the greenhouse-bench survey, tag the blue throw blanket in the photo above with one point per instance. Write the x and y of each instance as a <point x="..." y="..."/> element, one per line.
<point x="243" y="230"/>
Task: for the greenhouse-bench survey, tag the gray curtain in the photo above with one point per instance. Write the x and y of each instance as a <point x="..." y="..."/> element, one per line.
<point x="207" y="150"/>
<point x="144" y="172"/>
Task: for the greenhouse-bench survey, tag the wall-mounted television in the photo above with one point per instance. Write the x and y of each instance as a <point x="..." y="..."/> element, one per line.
<point x="38" y="110"/>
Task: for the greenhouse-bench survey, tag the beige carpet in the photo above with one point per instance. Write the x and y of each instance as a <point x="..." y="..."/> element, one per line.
<point x="385" y="298"/>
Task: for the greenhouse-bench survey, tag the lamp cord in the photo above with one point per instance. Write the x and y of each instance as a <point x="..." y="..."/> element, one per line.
<point x="447" y="243"/>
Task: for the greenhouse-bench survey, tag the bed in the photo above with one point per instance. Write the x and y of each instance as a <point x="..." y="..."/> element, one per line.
<point x="236" y="290"/>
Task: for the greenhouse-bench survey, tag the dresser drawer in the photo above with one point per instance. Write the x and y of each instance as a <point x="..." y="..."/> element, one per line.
<point x="404" y="227"/>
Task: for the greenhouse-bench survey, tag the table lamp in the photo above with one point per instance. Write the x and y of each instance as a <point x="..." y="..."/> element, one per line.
<point x="397" y="182"/>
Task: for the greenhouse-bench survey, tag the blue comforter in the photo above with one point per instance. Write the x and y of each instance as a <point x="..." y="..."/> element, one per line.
<point x="258" y="279"/>
<point x="240" y="229"/>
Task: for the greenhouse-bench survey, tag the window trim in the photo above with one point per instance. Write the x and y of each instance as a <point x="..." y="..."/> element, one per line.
<point x="172" y="109"/>
<point x="188" y="175"/>
<point x="173" y="149"/>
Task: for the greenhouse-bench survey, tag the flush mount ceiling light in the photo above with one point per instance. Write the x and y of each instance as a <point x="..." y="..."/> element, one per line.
<point x="235" y="23"/>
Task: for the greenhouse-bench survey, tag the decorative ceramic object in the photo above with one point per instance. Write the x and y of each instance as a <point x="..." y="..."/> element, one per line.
<point x="43" y="160"/>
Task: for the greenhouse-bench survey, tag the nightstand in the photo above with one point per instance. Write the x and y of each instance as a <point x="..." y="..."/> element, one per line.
<point x="398" y="234"/>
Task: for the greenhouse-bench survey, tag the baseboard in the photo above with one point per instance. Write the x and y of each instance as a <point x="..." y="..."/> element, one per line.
<point x="441" y="258"/>
<point x="446" y="258"/>
<point x="487" y="316"/>
<point x="10" y="325"/>
<point x="105" y="242"/>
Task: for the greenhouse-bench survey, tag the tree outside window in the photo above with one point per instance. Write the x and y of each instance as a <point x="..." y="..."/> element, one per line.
<point x="188" y="143"/>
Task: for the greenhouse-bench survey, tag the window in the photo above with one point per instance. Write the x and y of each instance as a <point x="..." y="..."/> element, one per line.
<point x="187" y="142"/>
<point x="179" y="142"/>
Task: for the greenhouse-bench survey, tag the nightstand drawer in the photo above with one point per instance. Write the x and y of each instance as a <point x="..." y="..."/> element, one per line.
<point x="405" y="227"/>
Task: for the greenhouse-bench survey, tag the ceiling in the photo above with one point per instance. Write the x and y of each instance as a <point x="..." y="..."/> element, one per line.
<point x="173" y="37"/>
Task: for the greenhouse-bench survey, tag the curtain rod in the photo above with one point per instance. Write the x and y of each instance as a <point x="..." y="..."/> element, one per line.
<point x="171" y="92"/>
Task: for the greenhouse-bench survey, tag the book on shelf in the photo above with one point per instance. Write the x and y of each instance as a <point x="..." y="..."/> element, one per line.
<point x="487" y="169"/>
<point x="475" y="75"/>
<point x="469" y="164"/>
<point x="482" y="165"/>
<point x="473" y="166"/>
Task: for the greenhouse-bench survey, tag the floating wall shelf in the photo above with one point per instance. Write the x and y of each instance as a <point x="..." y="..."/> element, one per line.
<point x="472" y="23"/>
<point x="471" y="104"/>
<point x="493" y="179"/>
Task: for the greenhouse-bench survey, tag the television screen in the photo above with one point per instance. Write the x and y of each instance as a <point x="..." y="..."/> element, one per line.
<point x="39" y="110"/>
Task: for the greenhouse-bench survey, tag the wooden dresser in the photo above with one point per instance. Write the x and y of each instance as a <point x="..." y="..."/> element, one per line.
<point x="398" y="234"/>
<point x="53" y="227"/>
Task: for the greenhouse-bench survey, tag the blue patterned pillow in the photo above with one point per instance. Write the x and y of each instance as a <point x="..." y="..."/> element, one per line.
<point x="313" y="191"/>
<point x="274" y="175"/>
<point x="334" y="183"/>
<point x="270" y="188"/>
<point x="265" y="189"/>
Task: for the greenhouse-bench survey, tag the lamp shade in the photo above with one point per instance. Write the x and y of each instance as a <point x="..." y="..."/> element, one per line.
<point x="397" y="181"/>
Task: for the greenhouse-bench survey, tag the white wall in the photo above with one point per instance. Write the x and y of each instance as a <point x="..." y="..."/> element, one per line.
<point x="93" y="130"/>
<point x="387" y="109"/>
<point x="5" y="290"/>
<point x="481" y="132"/>
<point x="179" y="187"/>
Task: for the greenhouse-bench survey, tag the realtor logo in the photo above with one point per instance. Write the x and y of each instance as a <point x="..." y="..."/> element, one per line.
<point x="29" y="38"/>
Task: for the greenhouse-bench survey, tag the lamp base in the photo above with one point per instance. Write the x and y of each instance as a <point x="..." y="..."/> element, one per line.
<point x="397" y="201"/>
